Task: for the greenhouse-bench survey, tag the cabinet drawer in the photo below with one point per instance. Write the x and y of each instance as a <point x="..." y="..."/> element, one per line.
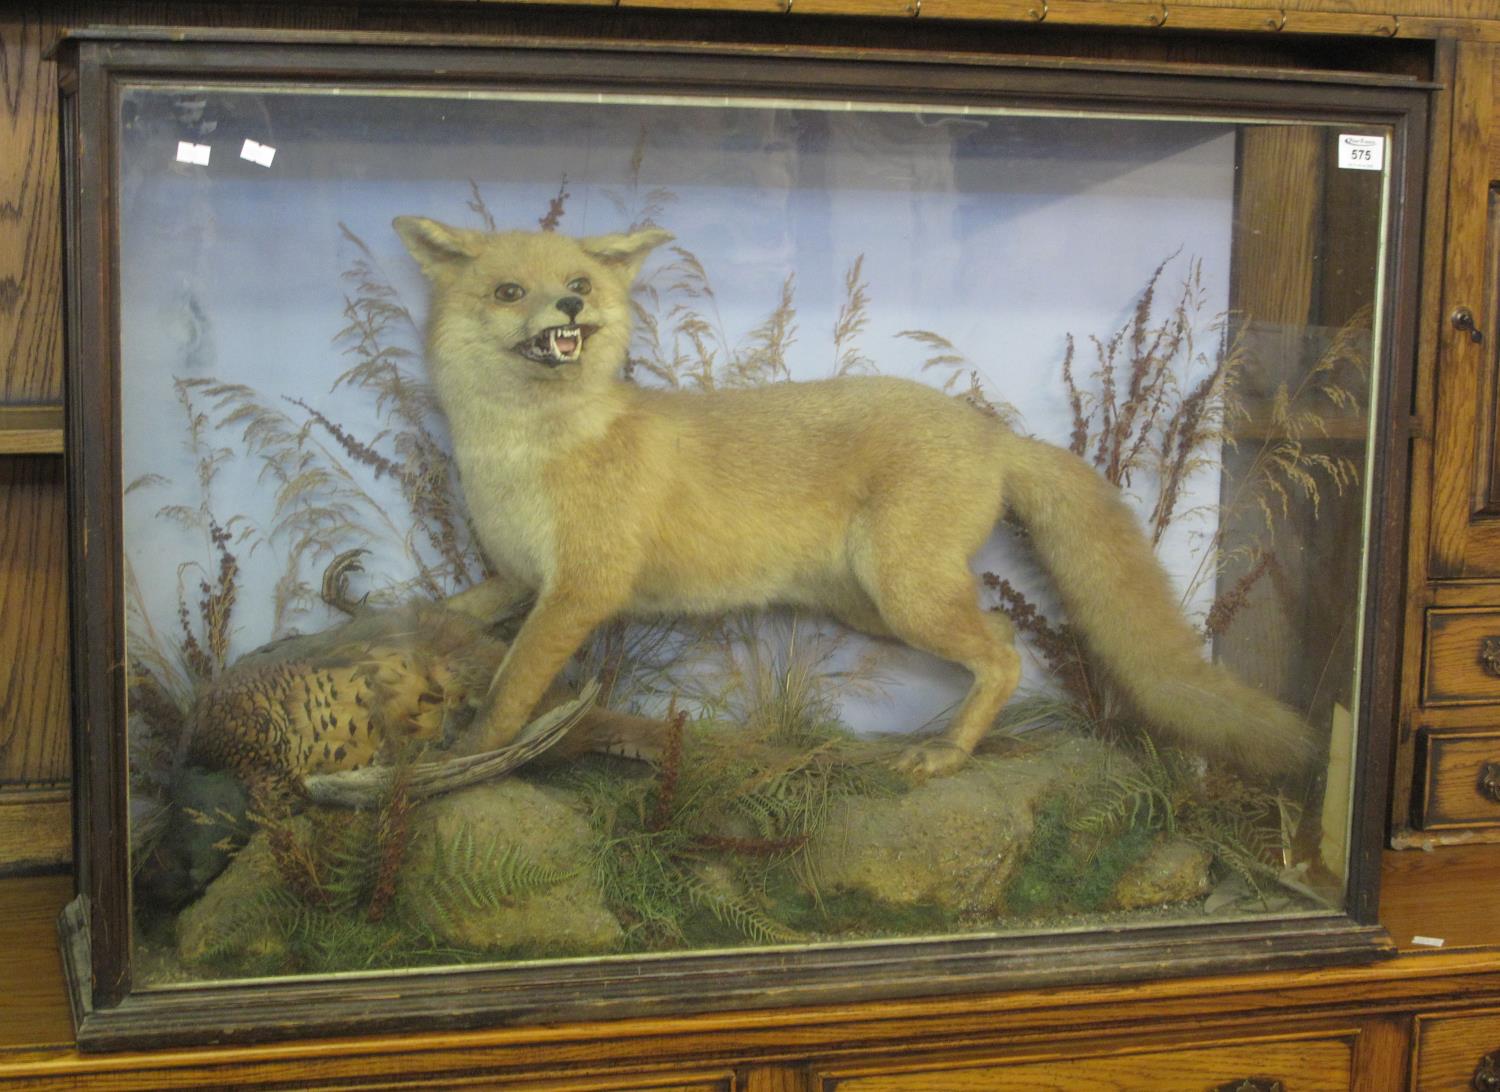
<point x="1322" y="1064"/>
<point x="1458" y="1052"/>
<point x="1463" y="657"/>
<point x="1459" y="775"/>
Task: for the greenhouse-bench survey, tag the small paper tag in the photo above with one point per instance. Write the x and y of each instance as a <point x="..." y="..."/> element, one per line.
<point x="1428" y="942"/>
<point x="1361" y="153"/>
<point x="196" y="154"/>
<point x="258" y="153"/>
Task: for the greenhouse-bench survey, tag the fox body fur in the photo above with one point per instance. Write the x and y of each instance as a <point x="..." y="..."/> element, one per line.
<point x="861" y="497"/>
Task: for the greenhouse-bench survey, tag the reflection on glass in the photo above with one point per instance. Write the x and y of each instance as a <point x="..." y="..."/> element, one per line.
<point x="1187" y="305"/>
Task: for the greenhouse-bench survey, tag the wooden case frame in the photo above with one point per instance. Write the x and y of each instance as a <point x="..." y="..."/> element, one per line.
<point x="111" y="1012"/>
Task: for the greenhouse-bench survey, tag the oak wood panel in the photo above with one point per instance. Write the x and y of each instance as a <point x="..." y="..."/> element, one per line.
<point x="30" y="967"/>
<point x="1321" y="1064"/>
<point x="1423" y="408"/>
<point x="1455" y="763"/>
<point x="1450" y="895"/>
<point x="33" y="642"/>
<point x="1463" y="657"/>
<point x="36" y="827"/>
<point x="994" y="26"/>
<point x="1466" y="593"/>
<point x="31" y="430"/>
<point x="666" y="1082"/>
<point x="1382" y="1053"/>
<point x="775" y="1079"/>
<point x="1449" y="1049"/>
<point x="1462" y="545"/>
<point x="1278" y="209"/>
<point x="30" y="244"/>
<point x="1458" y="9"/>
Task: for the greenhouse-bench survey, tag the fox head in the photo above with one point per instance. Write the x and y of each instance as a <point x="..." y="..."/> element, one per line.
<point x="523" y="307"/>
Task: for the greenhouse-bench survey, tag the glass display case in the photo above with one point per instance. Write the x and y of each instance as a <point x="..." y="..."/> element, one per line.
<point x="572" y="530"/>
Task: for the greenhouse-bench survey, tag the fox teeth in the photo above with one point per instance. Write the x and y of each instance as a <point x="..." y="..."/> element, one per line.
<point x="554" y="345"/>
<point x="567" y="333"/>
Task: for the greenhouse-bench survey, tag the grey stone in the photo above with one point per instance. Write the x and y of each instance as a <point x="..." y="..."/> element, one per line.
<point x="532" y="826"/>
<point x="1173" y="871"/>
<point x="954" y="842"/>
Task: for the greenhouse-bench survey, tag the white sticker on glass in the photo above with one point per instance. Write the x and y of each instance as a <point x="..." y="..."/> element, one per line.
<point x="258" y="153"/>
<point x="196" y="154"/>
<point x="1361" y="153"/>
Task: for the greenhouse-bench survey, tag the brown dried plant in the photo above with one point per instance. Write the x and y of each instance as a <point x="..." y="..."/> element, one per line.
<point x="389" y="372"/>
<point x="555" y="208"/>
<point x="392" y="838"/>
<point x="964" y="379"/>
<point x="164" y="671"/>
<point x="682" y="341"/>
<point x="324" y="501"/>
<point x="1157" y="408"/>
<point x="853" y="316"/>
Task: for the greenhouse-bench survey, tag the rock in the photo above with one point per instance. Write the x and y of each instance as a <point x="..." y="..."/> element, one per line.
<point x="1173" y="870"/>
<point x="496" y="868"/>
<point x="230" y="923"/>
<point x="528" y="888"/>
<point x="953" y="841"/>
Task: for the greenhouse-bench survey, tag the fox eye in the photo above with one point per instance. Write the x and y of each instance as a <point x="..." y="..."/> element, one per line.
<point x="509" y="292"/>
<point x="580" y="286"/>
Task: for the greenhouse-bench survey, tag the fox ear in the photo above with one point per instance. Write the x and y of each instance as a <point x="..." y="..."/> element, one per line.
<point x="435" y="246"/>
<point x="625" y="252"/>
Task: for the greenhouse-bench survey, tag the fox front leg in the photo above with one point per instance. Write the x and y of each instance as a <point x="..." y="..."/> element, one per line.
<point x="555" y="629"/>
<point x="491" y="600"/>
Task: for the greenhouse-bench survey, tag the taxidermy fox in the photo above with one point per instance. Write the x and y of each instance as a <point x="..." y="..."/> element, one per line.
<point x="861" y="497"/>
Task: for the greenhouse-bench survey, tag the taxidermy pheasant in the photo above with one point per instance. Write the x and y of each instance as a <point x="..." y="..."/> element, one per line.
<point x="327" y="717"/>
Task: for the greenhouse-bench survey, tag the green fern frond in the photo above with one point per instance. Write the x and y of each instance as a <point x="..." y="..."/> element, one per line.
<point x="739" y="915"/>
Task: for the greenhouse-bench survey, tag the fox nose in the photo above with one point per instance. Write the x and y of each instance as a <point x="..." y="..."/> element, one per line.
<point x="570" y="306"/>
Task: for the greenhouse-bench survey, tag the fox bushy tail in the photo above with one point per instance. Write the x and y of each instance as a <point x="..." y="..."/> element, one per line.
<point x="1117" y="594"/>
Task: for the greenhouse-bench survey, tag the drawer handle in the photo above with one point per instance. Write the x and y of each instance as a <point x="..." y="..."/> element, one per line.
<point x="1487" y="1073"/>
<point x="1265" y="1084"/>
<point x="1489" y="655"/>
<point x="1463" y="321"/>
<point x="1489" y="788"/>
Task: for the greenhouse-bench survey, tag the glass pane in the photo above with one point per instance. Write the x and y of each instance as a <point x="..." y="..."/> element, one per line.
<point x="839" y="441"/>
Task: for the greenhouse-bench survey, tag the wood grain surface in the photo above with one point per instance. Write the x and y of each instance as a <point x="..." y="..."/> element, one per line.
<point x="1322" y="1064"/>
<point x="1421" y="593"/>
<point x="1449" y="1049"/>
<point x="33" y="642"/>
<point x="30" y="239"/>
<point x="1455" y="763"/>
<point x="1460" y="667"/>
<point x="1460" y="544"/>
<point x="31" y="430"/>
<point x="1370" y="1007"/>
<point x="36" y="827"/>
<point x="33" y="1028"/>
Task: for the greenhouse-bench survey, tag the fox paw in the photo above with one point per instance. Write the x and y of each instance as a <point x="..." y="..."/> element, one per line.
<point x="932" y="758"/>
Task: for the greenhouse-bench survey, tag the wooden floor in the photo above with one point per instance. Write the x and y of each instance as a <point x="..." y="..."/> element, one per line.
<point x="1452" y="894"/>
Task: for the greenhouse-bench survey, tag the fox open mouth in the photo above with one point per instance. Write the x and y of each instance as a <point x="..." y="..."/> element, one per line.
<point x="555" y="345"/>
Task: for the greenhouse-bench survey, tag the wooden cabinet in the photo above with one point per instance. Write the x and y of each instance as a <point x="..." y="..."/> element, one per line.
<point x="1458" y="1052"/>
<point x="1465" y="503"/>
<point x="1422" y="1021"/>
<point x="1449" y="753"/>
<point x="1321" y="1062"/>
<point x="34" y="810"/>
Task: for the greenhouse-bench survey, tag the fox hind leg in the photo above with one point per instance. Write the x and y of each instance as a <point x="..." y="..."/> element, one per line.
<point x="939" y="612"/>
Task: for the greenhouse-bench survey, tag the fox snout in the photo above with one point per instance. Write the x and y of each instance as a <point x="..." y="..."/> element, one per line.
<point x="559" y="344"/>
